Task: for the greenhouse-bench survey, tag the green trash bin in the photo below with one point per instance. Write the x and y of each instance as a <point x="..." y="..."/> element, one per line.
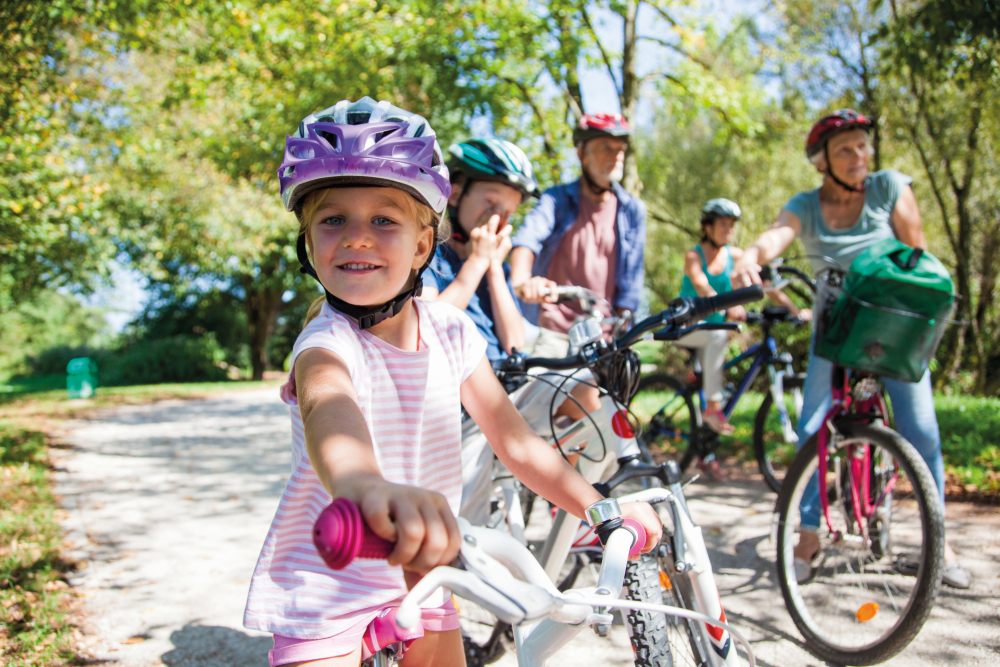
<point x="81" y="377"/>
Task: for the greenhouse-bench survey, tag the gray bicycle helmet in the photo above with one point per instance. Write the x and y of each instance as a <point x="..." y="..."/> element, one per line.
<point x="720" y="208"/>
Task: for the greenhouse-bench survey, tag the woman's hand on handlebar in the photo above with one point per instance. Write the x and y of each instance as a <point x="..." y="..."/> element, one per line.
<point x="648" y="519"/>
<point x="419" y="521"/>
<point x="746" y="271"/>
<point x="736" y="314"/>
<point x="537" y="289"/>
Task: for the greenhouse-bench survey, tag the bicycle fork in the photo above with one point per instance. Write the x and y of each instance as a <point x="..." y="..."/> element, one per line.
<point x="691" y="560"/>
<point x="777" y="389"/>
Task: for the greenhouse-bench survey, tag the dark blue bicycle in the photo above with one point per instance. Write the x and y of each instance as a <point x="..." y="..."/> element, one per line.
<point x="666" y="408"/>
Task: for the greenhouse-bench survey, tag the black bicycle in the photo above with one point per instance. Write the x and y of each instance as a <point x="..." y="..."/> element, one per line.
<point x="670" y="408"/>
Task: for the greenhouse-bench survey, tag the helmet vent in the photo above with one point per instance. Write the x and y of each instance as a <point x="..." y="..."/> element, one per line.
<point x="358" y="117"/>
<point x="331" y="139"/>
<point x="301" y="150"/>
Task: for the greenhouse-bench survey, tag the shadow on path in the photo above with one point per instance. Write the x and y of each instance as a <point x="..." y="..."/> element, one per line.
<point x="214" y="646"/>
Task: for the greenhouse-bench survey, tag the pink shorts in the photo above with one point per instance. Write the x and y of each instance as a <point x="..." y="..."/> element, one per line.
<point x="364" y="633"/>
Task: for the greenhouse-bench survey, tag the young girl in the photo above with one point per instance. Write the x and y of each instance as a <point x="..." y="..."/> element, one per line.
<point x="375" y="388"/>
<point x="707" y="268"/>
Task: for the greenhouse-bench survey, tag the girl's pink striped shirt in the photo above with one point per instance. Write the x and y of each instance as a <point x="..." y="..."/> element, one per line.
<point x="411" y="403"/>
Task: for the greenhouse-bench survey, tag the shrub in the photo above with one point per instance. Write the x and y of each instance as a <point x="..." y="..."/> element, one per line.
<point x="171" y="359"/>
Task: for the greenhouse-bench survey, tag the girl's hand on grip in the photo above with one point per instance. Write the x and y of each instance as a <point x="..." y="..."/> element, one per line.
<point x="648" y="519"/>
<point x="419" y="521"/>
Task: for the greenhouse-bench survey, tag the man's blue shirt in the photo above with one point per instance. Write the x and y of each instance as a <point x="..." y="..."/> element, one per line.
<point x="557" y="211"/>
<point x="441" y="273"/>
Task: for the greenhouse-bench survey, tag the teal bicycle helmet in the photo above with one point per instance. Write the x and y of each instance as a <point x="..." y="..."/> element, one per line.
<point x="493" y="160"/>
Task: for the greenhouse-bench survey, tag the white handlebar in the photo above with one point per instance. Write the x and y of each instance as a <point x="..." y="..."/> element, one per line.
<point x="503" y="577"/>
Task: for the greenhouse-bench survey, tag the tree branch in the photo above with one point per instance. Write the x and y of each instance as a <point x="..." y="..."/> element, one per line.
<point x="678" y="49"/>
<point x="600" y="47"/>
<point x="536" y="111"/>
<point x="719" y="110"/>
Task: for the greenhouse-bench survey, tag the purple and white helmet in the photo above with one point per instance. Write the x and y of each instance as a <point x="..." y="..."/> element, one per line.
<point x="365" y="143"/>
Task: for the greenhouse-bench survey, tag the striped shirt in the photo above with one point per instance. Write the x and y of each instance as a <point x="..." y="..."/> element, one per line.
<point x="411" y="403"/>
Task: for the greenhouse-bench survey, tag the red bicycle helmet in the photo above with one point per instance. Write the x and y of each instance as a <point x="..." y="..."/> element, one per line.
<point x="593" y="125"/>
<point x="827" y="126"/>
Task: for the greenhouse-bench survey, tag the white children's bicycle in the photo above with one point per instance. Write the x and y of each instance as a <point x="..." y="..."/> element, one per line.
<point x="500" y="574"/>
<point x="679" y="571"/>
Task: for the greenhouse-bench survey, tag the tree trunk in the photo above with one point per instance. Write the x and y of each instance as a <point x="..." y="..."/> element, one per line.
<point x="630" y="90"/>
<point x="262" y="305"/>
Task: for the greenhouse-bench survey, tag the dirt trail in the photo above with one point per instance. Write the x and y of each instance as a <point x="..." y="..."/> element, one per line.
<point x="168" y="504"/>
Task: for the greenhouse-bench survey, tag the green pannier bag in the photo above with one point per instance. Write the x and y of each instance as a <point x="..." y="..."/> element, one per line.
<point x="890" y="313"/>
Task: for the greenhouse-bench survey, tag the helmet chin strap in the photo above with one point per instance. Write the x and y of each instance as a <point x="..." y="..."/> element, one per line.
<point x="592" y="184"/>
<point x="458" y="232"/>
<point x="365" y="316"/>
<point x="705" y="238"/>
<point x="829" y="172"/>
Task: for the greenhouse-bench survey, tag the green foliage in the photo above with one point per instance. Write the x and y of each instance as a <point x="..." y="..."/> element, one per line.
<point x="176" y="358"/>
<point x="51" y="319"/>
<point x="171" y="359"/>
<point x="52" y="224"/>
<point x="968" y="439"/>
<point x="171" y="311"/>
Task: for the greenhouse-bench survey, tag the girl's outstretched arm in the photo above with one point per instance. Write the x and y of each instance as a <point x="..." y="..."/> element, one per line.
<point x="530" y="458"/>
<point x="340" y="450"/>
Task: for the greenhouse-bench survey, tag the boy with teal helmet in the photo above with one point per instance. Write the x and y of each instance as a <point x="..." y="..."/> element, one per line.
<point x="490" y="179"/>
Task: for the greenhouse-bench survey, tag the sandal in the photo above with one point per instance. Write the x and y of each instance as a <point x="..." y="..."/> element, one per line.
<point x="711" y="469"/>
<point x="716" y="420"/>
<point x="807" y="567"/>
<point x="956" y="576"/>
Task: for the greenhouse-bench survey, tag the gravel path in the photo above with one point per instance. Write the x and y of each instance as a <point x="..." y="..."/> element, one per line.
<point x="167" y="506"/>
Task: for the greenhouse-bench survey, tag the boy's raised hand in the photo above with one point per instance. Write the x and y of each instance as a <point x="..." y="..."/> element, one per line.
<point x="503" y="245"/>
<point x="419" y="521"/>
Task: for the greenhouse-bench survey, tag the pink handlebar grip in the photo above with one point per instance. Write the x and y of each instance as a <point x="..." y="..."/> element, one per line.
<point x="341" y="535"/>
<point x="640" y="536"/>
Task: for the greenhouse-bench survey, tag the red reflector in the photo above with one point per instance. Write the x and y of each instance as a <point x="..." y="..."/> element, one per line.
<point x="621" y="425"/>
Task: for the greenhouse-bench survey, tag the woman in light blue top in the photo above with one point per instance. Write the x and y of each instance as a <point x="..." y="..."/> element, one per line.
<point x="707" y="269"/>
<point x="850" y="211"/>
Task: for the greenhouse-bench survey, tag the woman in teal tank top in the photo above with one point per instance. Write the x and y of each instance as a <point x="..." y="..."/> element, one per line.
<point x="850" y="211"/>
<point x="707" y="270"/>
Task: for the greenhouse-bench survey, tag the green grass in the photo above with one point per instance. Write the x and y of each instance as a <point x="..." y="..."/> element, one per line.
<point x="44" y="401"/>
<point x="968" y="440"/>
<point x="969" y="428"/>
<point x="34" y="629"/>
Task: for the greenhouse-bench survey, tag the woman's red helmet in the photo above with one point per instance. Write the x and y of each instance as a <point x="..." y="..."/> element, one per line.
<point x="827" y="126"/>
<point x="593" y="125"/>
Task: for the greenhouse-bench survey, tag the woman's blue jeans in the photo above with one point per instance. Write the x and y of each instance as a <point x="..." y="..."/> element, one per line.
<point x="915" y="420"/>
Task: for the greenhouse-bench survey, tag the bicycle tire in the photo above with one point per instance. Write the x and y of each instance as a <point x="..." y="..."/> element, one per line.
<point x="768" y="438"/>
<point x="858" y="607"/>
<point x="659" y="640"/>
<point x="484" y="637"/>
<point x="666" y="423"/>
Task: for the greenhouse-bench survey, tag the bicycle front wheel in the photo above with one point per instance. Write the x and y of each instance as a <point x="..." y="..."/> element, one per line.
<point x="874" y="584"/>
<point x="774" y="438"/>
<point x="659" y="640"/>
<point x="667" y="417"/>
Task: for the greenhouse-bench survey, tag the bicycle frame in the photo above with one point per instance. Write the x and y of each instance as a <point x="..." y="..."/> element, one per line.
<point x="870" y="406"/>
<point x="544" y="619"/>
